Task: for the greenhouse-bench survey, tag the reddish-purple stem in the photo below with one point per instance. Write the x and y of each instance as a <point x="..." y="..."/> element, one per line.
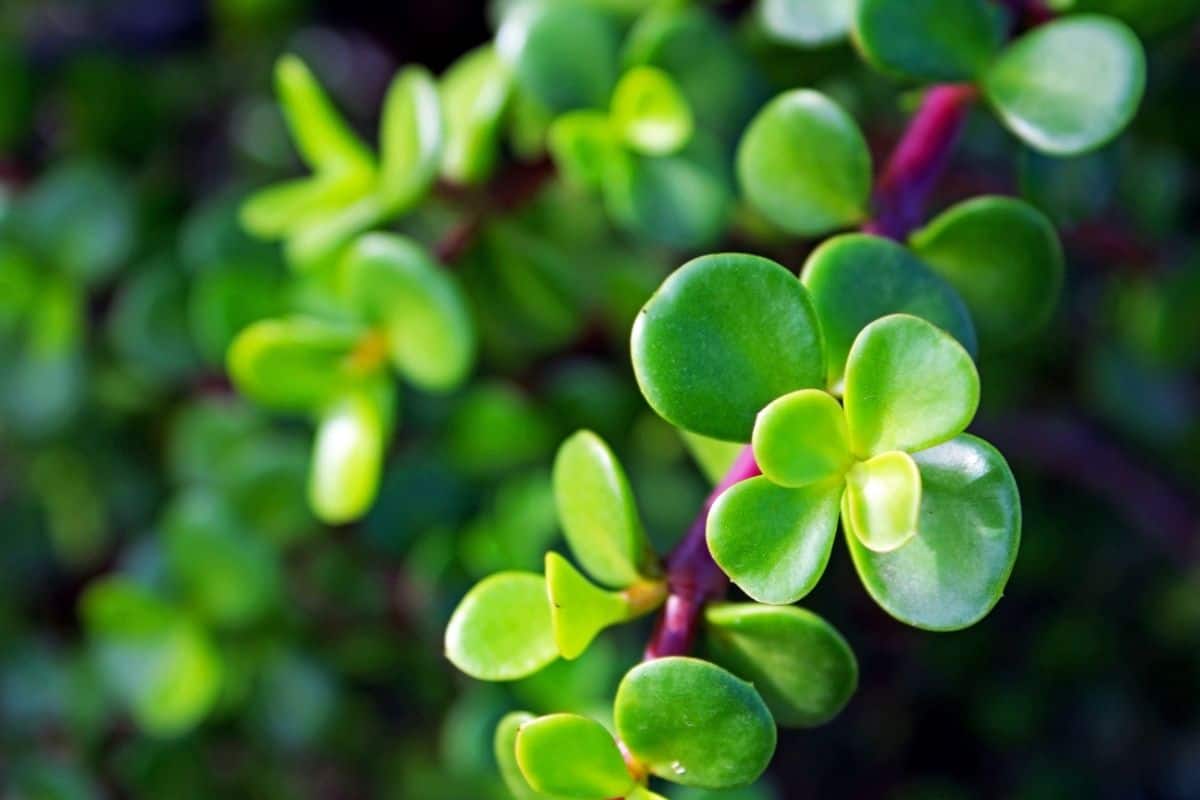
<point x="693" y="578"/>
<point x="918" y="160"/>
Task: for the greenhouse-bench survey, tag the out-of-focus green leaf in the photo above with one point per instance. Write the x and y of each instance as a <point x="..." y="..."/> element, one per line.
<point x="650" y="113"/>
<point x="352" y="436"/>
<point x="411" y="139"/>
<point x="475" y="92"/>
<point x="808" y="23"/>
<point x="931" y="40"/>
<point x="325" y="141"/>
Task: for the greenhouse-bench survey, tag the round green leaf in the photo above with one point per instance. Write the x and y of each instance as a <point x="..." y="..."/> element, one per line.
<point x="291" y="364"/>
<point x="598" y="514"/>
<point x="158" y="662"/>
<point x="563" y="54"/>
<point x="586" y="149"/>
<point x="1069" y="86"/>
<point x="501" y="629"/>
<point x="325" y="141"/>
<point x="809" y="23"/>
<point x="803" y="163"/>
<point x="800" y="664"/>
<point x="721" y="338"/>
<point x="352" y="435"/>
<point x="572" y="756"/>
<point x="931" y="40"/>
<point x="475" y="91"/>
<point x="650" y="112"/>
<point x="682" y="200"/>
<point x="1004" y="258"/>
<point x="953" y="571"/>
<point x="504" y="745"/>
<point x="801" y="438"/>
<point x="855" y="279"/>
<point x="772" y="541"/>
<point x="430" y="334"/>
<point x="579" y="610"/>
<point x="691" y="722"/>
<point x="411" y="133"/>
<point x="909" y="385"/>
<point x="883" y="496"/>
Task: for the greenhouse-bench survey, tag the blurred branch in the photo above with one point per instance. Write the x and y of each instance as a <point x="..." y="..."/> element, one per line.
<point x="1065" y="449"/>
<point x="515" y="185"/>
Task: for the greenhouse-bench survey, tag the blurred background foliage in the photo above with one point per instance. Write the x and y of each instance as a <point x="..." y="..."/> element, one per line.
<point x="174" y="623"/>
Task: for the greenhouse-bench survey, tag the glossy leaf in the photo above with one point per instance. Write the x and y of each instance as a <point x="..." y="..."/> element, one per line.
<point x="572" y="756"/>
<point x="883" y="496"/>
<point x="694" y="723"/>
<point x="855" y="279"/>
<point x="504" y="746"/>
<point x="352" y="436"/>
<point x="953" y="571"/>
<point x="430" y="334"/>
<point x="579" y="609"/>
<point x="1004" y="258"/>
<point x="598" y="513"/>
<point x="317" y="247"/>
<point x="501" y="629"/>
<point x="803" y="163"/>
<point x="283" y="208"/>
<point x="801" y="438"/>
<point x="649" y="111"/>
<point x="909" y="385"/>
<point x="325" y="141"/>
<point x="930" y="40"/>
<point x="475" y="92"/>
<point x="772" y="541"/>
<point x="721" y="338"/>
<point x="291" y="364"/>
<point x="158" y="662"/>
<point x="809" y="23"/>
<point x="563" y="54"/>
<point x="1098" y="74"/>
<point x="411" y="134"/>
<point x="800" y="664"/>
<point x="586" y="148"/>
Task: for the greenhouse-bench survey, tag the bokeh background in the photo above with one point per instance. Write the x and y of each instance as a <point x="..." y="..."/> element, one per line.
<point x="130" y="130"/>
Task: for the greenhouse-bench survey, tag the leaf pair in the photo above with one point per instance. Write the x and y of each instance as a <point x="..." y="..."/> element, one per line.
<point x="682" y="719"/>
<point x="412" y="317"/>
<point x="512" y="624"/>
<point x="1064" y="88"/>
<point x="909" y="386"/>
<point x="349" y="192"/>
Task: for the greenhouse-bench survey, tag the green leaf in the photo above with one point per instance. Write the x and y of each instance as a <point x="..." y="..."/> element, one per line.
<point x="411" y="134"/>
<point x="563" y="54"/>
<point x="694" y="723"/>
<point x="883" y="496"/>
<point x="801" y="438"/>
<point x="325" y="141"/>
<point x="158" y="662"/>
<point x="352" y="436"/>
<point x="579" y="610"/>
<point x="291" y="364"/>
<point x="475" y="91"/>
<point x="598" y="513"/>
<point x="809" y="23"/>
<point x="318" y="246"/>
<point x="855" y="278"/>
<point x="772" y="541"/>
<point x="1069" y="86"/>
<point x="283" y="208"/>
<point x="803" y="163"/>
<point x="504" y="745"/>
<point x="800" y="664"/>
<point x="953" y="571"/>
<point x="909" y="385"/>
<point x="1004" y="258"/>
<point x="501" y="629"/>
<point x="430" y="334"/>
<point x="682" y="200"/>
<point x="650" y="112"/>
<point x="723" y="336"/>
<point x="572" y="756"/>
<point x="586" y="149"/>
<point x="929" y="40"/>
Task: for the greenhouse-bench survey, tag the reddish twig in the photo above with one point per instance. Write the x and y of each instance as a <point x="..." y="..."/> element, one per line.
<point x="919" y="159"/>
<point x="693" y="578"/>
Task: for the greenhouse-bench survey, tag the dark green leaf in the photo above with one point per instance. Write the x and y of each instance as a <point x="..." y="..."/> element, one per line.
<point x="931" y="40"/>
